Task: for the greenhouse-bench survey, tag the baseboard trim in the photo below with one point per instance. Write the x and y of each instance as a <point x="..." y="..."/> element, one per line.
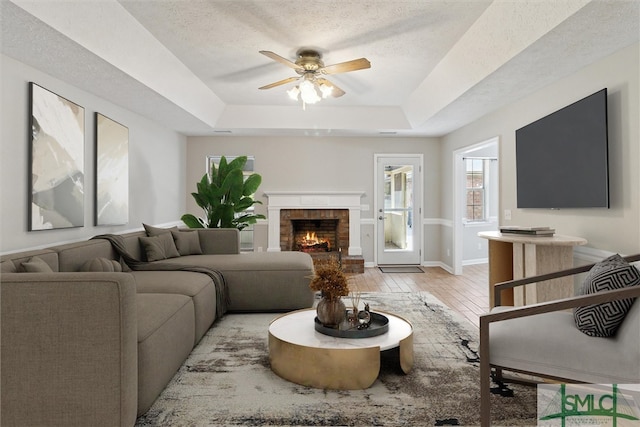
<point x="475" y="261"/>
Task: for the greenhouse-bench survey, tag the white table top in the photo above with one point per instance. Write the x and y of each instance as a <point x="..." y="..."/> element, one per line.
<point x="298" y="328"/>
<point x="555" y="240"/>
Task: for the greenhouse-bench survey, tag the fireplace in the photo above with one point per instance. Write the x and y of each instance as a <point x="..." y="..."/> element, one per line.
<point x="314" y="230"/>
<point x="333" y="216"/>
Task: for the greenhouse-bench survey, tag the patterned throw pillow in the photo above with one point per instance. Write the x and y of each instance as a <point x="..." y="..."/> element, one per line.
<point x="159" y="247"/>
<point x="603" y="320"/>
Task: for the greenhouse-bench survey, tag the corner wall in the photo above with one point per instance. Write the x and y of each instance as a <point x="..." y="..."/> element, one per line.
<point x="607" y="230"/>
<point x="156" y="163"/>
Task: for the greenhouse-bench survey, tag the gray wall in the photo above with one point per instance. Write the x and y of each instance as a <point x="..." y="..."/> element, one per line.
<point x="324" y="164"/>
<point x="156" y="163"/>
<point x="616" y="229"/>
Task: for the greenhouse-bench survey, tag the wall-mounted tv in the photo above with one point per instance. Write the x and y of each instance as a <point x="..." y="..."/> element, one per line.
<point x="562" y="159"/>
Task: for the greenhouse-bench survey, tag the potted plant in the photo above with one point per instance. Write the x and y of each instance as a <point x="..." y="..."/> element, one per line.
<point x="225" y="196"/>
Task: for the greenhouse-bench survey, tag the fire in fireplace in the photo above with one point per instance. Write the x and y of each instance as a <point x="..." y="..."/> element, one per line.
<point x="311" y="243"/>
<point x="317" y="235"/>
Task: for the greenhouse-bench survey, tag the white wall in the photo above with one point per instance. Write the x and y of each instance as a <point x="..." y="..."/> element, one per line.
<point x="323" y="164"/>
<point x="616" y="229"/>
<point x="156" y="163"/>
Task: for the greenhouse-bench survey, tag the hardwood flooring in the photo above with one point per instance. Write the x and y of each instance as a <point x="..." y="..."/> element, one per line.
<point x="468" y="294"/>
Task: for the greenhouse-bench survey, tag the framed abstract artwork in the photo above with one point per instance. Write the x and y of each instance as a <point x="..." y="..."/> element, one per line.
<point x="112" y="172"/>
<point x="56" y="164"/>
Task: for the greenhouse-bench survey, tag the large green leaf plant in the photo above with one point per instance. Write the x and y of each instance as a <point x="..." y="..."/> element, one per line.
<point x="225" y="195"/>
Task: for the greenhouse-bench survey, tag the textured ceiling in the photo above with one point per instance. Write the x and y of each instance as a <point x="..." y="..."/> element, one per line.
<point x="194" y="65"/>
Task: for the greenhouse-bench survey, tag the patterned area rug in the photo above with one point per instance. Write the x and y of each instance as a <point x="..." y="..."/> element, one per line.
<point x="227" y="381"/>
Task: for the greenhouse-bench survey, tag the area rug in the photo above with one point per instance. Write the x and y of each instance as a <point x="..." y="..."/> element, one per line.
<point x="401" y="269"/>
<point x="227" y="381"/>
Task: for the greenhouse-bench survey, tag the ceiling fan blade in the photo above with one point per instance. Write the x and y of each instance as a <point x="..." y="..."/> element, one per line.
<point x="279" y="83"/>
<point x="280" y="59"/>
<point x="336" y="92"/>
<point x="344" y="67"/>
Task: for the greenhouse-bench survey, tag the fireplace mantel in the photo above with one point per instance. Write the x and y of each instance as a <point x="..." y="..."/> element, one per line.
<point x="314" y="200"/>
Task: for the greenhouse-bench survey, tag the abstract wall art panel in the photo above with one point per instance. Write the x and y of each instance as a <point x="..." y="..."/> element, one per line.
<point x="56" y="166"/>
<point x="112" y="172"/>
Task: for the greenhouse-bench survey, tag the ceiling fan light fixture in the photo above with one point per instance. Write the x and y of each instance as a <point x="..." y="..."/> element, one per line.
<point x="308" y="92"/>
<point x="326" y="90"/>
<point x="293" y="93"/>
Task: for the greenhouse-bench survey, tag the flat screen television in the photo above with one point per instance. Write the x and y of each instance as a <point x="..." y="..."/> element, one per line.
<point x="562" y="159"/>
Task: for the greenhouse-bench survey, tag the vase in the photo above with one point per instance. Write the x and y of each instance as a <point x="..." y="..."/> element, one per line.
<point x="331" y="312"/>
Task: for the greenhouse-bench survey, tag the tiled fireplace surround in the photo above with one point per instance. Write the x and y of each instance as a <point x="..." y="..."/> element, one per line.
<point x="313" y="208"/>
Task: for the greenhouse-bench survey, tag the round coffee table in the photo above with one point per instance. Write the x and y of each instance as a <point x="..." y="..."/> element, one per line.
<point x="300" y="354"/>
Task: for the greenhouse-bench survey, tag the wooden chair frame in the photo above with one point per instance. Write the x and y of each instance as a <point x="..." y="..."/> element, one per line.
<point x="530" y="310"/>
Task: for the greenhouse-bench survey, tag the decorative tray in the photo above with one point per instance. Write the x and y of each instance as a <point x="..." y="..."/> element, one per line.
<point x="379" y="325"/>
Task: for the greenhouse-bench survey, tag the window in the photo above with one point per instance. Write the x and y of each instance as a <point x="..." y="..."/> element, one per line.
<point x="476" y="189"/>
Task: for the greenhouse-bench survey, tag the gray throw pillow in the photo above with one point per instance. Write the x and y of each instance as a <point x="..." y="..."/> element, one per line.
<point x="603" y="320"/>
<point x="36" y="265"/>
<point x="7" y="267"/>
<point x="187" y="242"/>
<point x="159" y="247"/>
<point x="101" y="265"/>
<point x="154" y="231"/>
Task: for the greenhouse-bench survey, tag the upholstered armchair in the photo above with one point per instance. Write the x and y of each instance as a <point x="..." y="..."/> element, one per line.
<point x="543" y="340"/>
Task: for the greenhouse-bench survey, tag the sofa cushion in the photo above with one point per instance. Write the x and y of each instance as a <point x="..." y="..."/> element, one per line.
<point x="261" y="281"/>
<point x="159" y="247"/>
<point x="36" y="265"/>
<point x="165" y="339"/>
<point x="7" y="266"/>
<point x="187" y="242"/>
<point x="100" y="264"/>
<point x="154" y="231"/>
<point x="525" y="344"/>
<point x="198" y="286"/>
<point x="603" y="320"/>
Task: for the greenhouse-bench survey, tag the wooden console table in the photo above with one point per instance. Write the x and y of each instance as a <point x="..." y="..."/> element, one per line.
<point x="514" y="256"/>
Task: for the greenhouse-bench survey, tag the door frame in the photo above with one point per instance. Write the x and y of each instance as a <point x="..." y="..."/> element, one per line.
<point x="418" y="219"/>
<point x="459" y="191"/>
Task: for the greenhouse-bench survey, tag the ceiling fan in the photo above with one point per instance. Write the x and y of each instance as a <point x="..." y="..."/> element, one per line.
<point x="311" y="70"/>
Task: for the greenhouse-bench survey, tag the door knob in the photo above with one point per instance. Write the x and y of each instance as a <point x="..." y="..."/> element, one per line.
<point x="380" y="217"/>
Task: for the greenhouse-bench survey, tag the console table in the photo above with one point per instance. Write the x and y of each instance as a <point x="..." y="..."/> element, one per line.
<point x="514" y="256"/>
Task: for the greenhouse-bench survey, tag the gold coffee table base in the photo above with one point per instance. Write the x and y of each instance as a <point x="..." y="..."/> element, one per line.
<point x="325" y="362"/>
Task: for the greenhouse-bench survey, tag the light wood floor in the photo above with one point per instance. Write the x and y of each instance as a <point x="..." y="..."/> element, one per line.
<point x="468" y="294"/>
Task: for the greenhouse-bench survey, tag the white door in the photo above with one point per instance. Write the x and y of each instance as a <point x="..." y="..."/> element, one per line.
<point x="398" y="209"/>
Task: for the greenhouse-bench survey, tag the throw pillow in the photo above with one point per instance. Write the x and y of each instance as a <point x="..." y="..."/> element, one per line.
<point x="159" y="247"/>
<point x="7" y="267"/>
<point x="603" y="320"/>
<point x="154" y="231"/>
<point x="187" y="242"/>
<point x="102" y="265"/>
<point x="36" y="265"/>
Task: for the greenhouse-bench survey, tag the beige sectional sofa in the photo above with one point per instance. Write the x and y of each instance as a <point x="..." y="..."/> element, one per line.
<point x="98" y="347"/>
